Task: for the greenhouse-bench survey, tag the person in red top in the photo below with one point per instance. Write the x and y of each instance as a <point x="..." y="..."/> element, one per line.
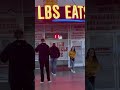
<point x="44" y="52"/>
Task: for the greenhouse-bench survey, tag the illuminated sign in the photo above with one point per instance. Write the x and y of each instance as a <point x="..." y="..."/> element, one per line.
<point x="55" y="12"/>
<point x="57" y="36"/>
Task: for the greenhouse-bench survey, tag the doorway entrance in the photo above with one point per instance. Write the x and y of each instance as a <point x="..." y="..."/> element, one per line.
<point x="80" y="52"/>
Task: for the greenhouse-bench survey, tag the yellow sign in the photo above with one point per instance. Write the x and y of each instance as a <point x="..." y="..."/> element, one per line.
<point x="71" y="12"/>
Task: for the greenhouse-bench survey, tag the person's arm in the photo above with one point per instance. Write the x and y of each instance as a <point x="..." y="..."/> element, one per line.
<point x="32" y="57"/>
<point x="49" y="51"/>
<point x="4" y="56"/>
<point x="37" y="49"/>
<point x="94" y="68"/>
<point x="58" y="52"/>
<point x="74" y="54"/>
<point x="98" y="66"/>
<point x="71" y="55"/>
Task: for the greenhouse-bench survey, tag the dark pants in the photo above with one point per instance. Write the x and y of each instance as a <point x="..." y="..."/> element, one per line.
<point x="88" y="85"/>
<point x="46" y="65"/>
<point x="23" y="83"/>
<point x="72" y="61"/>
<point x="26" y="86"/>
<point x="92" y="80"/>
<point x="53" y="65"/>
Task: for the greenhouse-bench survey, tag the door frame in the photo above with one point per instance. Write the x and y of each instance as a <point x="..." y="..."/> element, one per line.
<point x="117" y="57"/>
<point x="76" y="65"/>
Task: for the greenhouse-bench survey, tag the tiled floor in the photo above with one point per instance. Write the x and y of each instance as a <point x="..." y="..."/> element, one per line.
<point x="65" y="80"/>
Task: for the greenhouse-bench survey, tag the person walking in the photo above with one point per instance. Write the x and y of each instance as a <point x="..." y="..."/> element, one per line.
<point x="54" y="55"/>
<point x="72" y="54"/>
<point x="44" y="52"/>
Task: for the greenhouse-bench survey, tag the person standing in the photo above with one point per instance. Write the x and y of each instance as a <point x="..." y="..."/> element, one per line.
<point x="91" y="66"/>
<point x="88" y="85"/>
<point x="44" y="52"/>
<point x="72" y="54"/>
<point x="54" y="55"/>
<point x="21" y="57"/>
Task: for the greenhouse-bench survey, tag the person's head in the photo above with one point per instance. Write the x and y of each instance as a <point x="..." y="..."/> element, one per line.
<point x="91" y="53"/>
<point x="54" y="44"/>
<point x="42" y="40"/>
<point x="18" y="34"/>
<point x="73" y="48"/>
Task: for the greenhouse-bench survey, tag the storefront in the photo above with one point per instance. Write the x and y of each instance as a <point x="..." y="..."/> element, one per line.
<point x="62" y="31"/>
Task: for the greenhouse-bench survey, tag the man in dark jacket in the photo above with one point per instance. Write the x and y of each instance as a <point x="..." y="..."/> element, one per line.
<point x="43" y="50"/>
<point x="21" y="57"/>
<point x="54" y="54"/>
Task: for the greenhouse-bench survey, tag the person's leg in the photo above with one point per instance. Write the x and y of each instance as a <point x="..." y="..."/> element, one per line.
<point x="92" y="80"/>
<point x="70" y="63"/>
<point x="54" y="65"/>
<point x="73" y="63"/>
<point x="29" y="86"/>
<point x="88" y="85"/>
<point x="15" y="86"/>
<point x="47" y="70"/>
<point x="29" y="81"/>
<point x="42" y="71"/>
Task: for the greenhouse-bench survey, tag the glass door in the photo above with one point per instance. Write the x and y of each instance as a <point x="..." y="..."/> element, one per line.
<point x="80" y="52"/>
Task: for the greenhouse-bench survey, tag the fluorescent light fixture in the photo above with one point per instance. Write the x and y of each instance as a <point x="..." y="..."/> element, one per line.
<point x="68" y="20"/>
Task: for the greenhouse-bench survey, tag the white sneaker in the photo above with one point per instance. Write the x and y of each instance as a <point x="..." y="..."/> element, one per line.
<point x="72" y="71"/>
<point x="41" y="82"/>
<point x="49" y="81"/>
<point x="53" y="74"/>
